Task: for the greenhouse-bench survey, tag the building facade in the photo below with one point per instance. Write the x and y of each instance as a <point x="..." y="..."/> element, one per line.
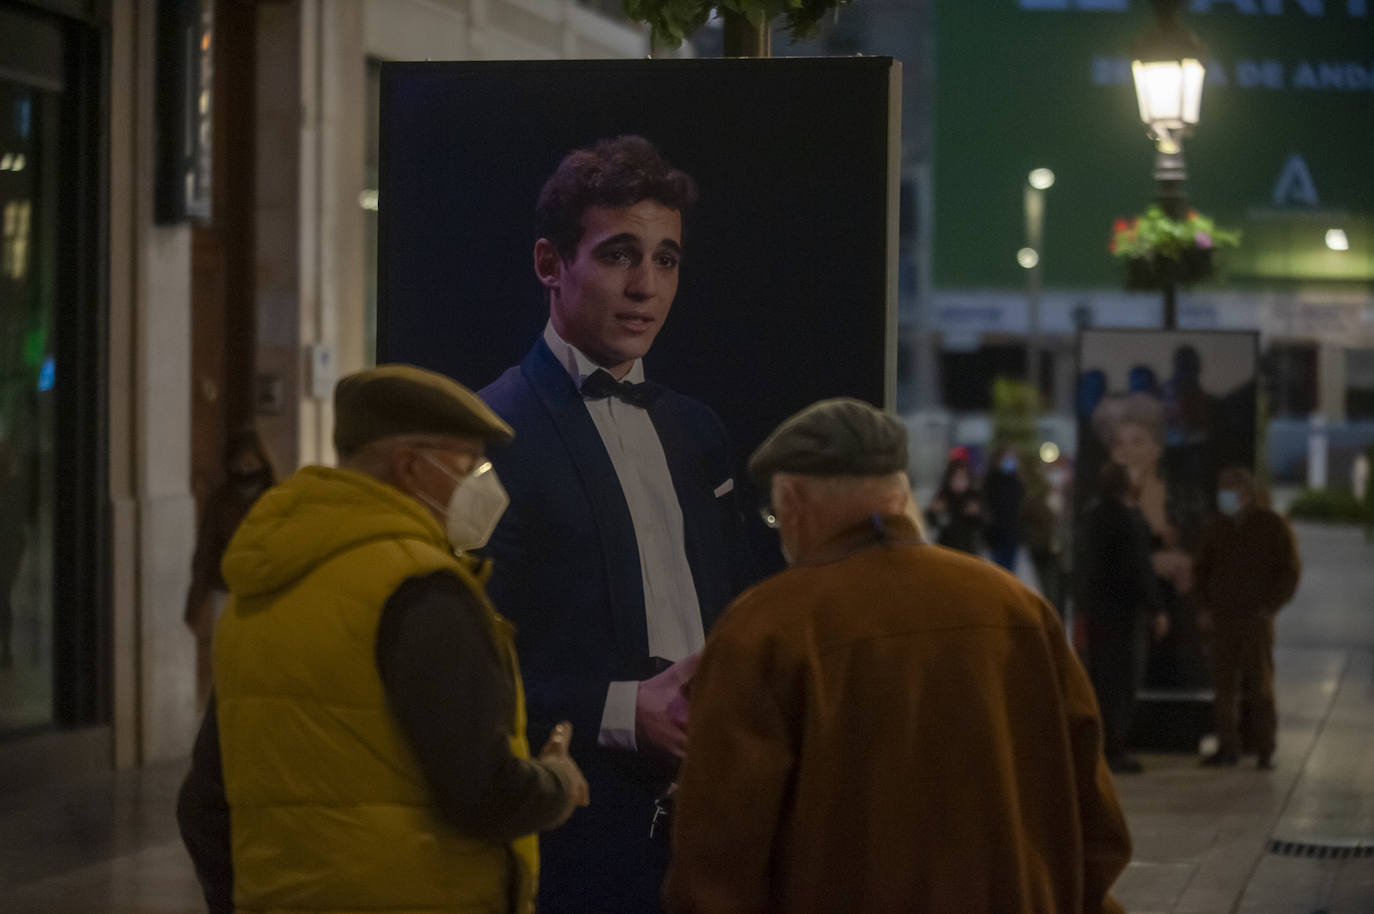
<point x="1279" y="154"/>
<point x="187" y="206"/>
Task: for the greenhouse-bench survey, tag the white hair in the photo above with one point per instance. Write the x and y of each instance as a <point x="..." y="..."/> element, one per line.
<point x="374" y="458"/>
<point x="853" y="487"/>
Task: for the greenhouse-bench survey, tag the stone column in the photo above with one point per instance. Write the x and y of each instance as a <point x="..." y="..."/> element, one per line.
<point x="277" y="233"/>
<point x="149" y="391"/>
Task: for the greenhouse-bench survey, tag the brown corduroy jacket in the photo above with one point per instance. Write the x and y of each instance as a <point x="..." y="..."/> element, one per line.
<point x="900" y="728"/>
<point x="1247" y="565"/>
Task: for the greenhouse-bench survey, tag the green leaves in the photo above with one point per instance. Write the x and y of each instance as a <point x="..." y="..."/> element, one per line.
<point x="1155" y="235"/>
<point x="672" y="21"/>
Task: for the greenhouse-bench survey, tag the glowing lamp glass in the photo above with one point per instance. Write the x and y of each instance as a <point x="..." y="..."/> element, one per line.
<point x="1169" y="92"/>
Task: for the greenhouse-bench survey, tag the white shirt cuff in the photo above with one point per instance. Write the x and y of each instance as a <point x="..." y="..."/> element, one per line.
<point x="618" y="717"/>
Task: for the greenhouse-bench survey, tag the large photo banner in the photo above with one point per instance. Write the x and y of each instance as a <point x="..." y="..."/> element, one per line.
<point x="1174" y="407"/>
<point x="786" y="285"/>
<point x="643" y="266"/>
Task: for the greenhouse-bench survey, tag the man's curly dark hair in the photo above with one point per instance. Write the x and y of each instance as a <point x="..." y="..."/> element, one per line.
<point x="615" y="173"/>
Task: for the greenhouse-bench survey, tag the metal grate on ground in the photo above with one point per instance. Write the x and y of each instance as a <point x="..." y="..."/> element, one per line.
<point x="1322" y="850"/>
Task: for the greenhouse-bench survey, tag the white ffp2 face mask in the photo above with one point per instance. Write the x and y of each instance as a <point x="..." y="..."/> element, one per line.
<point x="475" y="507"/>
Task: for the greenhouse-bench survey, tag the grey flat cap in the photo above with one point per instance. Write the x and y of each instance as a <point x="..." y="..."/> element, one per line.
<point x="840" y="437"/>
<point x="405" y="400"/>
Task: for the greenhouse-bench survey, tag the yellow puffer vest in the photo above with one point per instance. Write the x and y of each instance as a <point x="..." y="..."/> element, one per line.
<point x="329" y="810"/>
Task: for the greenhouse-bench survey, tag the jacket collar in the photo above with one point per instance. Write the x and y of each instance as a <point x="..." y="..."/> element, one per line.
<point x="874" y="530"/>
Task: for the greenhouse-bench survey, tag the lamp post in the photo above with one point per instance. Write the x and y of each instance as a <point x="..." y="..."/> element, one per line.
<point x="1168" y="72"/>
<point x="1031" y="258"/>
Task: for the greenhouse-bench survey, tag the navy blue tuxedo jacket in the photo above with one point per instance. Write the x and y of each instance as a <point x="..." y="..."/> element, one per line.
<point x="567" y="573"/>
<point x="567" y="567"/>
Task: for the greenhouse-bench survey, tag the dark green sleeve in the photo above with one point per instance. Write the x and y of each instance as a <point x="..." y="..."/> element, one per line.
<point x="454" y="701"/>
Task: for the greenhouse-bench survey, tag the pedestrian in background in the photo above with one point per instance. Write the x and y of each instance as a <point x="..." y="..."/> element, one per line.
<point x="887" y="725"/>
<point x="1003" y="493"/>
<point x="1247" y="568"/>
<point x="1120" y="603"/>
<point x="956" y="509"/>
<point x="1044" y="535"/>
<point x="248" y="472"/>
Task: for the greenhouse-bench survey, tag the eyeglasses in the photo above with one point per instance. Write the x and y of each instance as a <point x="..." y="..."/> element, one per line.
<point x="467" y="463"/>
<point x="770" y="519"/>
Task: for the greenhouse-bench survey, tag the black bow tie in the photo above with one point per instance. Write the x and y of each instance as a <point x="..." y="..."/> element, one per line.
<point x="600" y="385"/>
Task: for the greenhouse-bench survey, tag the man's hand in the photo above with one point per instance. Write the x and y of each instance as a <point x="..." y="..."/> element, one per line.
<point x="1161" y="626"/>
<point x="661" y="709"/>
<point x="555" y="756"/>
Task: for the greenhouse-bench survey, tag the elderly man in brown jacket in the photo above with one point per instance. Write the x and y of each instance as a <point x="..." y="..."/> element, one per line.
<point x="1247" y="568"/>
<point x="887" y="725"/>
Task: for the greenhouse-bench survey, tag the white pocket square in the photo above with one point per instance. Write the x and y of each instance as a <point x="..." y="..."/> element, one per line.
<point x="725" y="487"/>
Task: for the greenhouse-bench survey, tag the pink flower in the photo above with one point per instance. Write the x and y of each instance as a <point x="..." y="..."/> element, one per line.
<point x="1202" y="240"/>
<point x="1120" y="225"/>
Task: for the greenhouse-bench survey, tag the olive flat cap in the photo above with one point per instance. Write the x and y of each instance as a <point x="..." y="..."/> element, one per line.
<point x="405" y="400"/>
<point x="839" y="437"/>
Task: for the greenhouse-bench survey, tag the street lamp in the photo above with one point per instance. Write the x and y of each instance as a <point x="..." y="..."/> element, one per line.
<point x="1029" y="257"/>
<point x="1168" y="71"/>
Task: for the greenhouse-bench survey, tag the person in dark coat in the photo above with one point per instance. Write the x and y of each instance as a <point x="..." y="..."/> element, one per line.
<point x="956" y="509"/>
<point x="248" y="472"/>
<point x="1003" y="493"/>
<point x="1134" y="430"/>
<point x="1119" y="600"/>
<point x="1247" y="568"/>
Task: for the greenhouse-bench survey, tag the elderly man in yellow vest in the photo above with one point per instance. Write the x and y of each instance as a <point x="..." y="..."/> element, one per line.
<point x="367" y="708"/>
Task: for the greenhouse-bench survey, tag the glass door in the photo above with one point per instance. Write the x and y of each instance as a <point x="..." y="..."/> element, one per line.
<point x="29" y="130"/>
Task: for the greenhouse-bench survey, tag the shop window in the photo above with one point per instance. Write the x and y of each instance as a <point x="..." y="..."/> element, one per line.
<point x="966" y="377"/>
<point x="1290" y="379"/>
<point x="28" y="130"/>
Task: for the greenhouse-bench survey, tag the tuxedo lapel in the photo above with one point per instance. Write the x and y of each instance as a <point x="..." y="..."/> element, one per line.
<point x="610" y="515"/>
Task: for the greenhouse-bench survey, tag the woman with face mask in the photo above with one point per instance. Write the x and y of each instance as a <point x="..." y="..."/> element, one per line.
<point x="1247" y="569"/>
<point x="248" y="472"/>
<point x="955" y="512"/>
<point x="1003" y="491"/>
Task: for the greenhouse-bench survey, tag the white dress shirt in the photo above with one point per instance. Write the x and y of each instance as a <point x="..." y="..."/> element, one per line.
<point x="671" y="610"/>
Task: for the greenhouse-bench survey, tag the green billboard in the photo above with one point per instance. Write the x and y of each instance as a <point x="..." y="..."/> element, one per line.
<point x="1284" y="150"/>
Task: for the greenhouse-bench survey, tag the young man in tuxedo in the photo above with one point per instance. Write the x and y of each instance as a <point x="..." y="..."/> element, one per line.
<point x="624" y="540"/>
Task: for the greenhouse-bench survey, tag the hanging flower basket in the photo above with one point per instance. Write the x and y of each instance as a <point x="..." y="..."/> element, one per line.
<point x="1191" y="266"/>
<point x="1159" y="251"/>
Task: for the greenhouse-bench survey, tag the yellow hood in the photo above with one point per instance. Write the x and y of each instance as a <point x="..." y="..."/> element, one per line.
<point x="311" y="517"/>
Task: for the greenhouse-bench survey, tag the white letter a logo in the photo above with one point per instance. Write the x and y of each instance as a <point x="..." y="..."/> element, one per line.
<point x="1295" y="185"/>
